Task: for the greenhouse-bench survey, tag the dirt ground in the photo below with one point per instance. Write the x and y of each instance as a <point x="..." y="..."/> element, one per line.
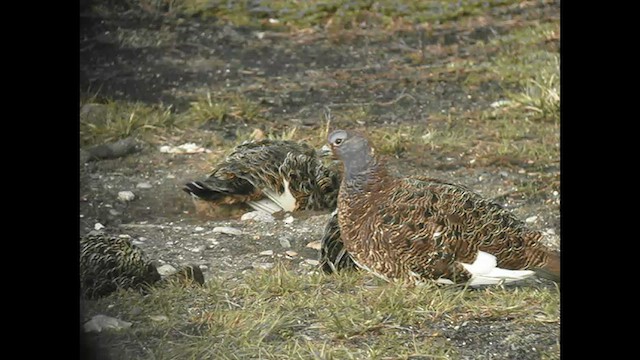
<point x="290" y="74"/>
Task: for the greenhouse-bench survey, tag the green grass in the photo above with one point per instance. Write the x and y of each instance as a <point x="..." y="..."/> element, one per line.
<point x="280" y="314"/>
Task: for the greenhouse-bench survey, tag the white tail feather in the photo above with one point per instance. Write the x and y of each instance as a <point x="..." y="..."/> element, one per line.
<point x="484" y="271"/>
<point x="286" y="201"/>
<point x="265" y="205"/>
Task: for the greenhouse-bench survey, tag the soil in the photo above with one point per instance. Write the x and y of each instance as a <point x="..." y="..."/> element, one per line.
<point x="298" y="77"/>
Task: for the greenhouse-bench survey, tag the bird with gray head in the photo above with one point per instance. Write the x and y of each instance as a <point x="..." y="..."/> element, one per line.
<point x="419" y="229"/>
<point x="271" y="176"/>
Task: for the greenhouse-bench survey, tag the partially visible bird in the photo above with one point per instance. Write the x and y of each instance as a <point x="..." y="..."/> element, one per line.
<point x="108" y="263"/>
<point x="334" y="257"/>
<point x="417" y="229"/>
<point x="270" y="175"/>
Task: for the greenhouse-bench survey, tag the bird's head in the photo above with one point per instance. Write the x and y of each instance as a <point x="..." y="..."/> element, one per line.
<point x="352" y="148"/>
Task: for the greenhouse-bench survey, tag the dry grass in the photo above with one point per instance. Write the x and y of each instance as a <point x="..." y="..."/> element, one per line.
<point x="281" y="314"/>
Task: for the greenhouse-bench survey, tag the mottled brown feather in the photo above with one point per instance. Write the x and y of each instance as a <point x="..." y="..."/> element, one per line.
<point x="422" y="228"/>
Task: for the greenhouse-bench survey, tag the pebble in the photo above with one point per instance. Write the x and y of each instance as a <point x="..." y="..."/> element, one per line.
<point x="166" y="269"/>
<point x="101" y="322"/>
<point x="198" y="249"/>
<point x="227" y="230"/>
<point x="258" y="216"/>
<point x="285" y="243"/>
<point x="312" y="262"/>
<point x="266" y="253"/>
<point x="98" y="226"/>
<point x="291" y="253"/>
<point x="213" y="241"/>
<point x="263" y="266"/>
<point x="126" y="196"/>
<point x="137" y="243"/>
<point x="315" y="245"/>
<point x="203" y="267"/>
<point x="199" y="228"/>
<point x="288" y="219"/>
<point x="142" y="238"/>
<point x="531" y="219"/>
<point x="144" y="185"/>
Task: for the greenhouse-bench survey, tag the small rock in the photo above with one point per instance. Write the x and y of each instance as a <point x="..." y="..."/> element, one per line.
<point x="227" y="230"/>
<point x="203" y="267"/>
<point x="158" y="318"/>
<point x="291" y="253"/>
<point x="315" y="245"/>
<point x="263" y="266"/>
<point x="144" y="185"/>
<point x="500" y="103"/>
<point x="531" y="219"/>
<point x="260" y="216"/>
<point x="126" y="196"/>
<point x="549" y="231"/>
<point x="285" y="243"/>
<point x="266" y="253"/>
<point x="124" y="236"/>
<point x="312" y="262"/>
<point x="142" y="238"/>
<point x="213" y="241"/>
<point x="166" y="269"/>
<point x="171" y="176"/>
<point x="198" y="249"/>
<point x="288" y="219"/>
<point x="98" y="226"/>
<point x="198" y="228"/>
<point x="137" y="243"/>
<point x="102" y="322"/>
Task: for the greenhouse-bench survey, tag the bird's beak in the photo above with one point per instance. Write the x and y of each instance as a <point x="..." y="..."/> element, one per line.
<point x="325" y="151"/>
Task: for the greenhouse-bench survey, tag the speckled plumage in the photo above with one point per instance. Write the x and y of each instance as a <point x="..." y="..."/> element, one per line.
<point x="256" y="170"/>
<point x="420" y="228"/>
<point x="334" y="256"/>
<point x="108" y="263"/>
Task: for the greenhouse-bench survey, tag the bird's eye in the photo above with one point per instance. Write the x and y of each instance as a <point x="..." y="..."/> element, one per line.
<point x="338" y="141"/>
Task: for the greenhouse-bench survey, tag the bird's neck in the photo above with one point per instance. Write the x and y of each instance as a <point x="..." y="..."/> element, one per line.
<point x="363" y="172"/>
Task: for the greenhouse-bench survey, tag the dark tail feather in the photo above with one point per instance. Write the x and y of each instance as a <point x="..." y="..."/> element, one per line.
<point x="551" y="270"/>
<point x="201" y="191"/>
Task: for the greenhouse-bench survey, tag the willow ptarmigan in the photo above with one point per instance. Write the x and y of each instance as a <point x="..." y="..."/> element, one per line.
<point x="270" y="175"/>
<point x="416" y="229"/>
<point x="108" y="263"/>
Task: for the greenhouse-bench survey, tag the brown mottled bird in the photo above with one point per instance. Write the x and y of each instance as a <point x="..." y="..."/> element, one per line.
<point x="270" y="175"/>
<point x="109" y="263"/>
<point x="416" y="229"/>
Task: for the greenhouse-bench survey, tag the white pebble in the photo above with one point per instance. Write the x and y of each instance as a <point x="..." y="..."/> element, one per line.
<point x="166" y="269"/>
<point x="258" y="216"/>
<point x="314" y="245"/>
<point x="291" y="253"/>
<point x="312" y="262"/>
<point x="98" y="226"/>
<point x="266" y="253"/>
<point x="126" y="196"/>
<point x="285" y="243"/>
<point x="531" y="219"/>
<point x="227" y="230"/>
<point x="262" y="266"/>
<point x="198" y="228"/>
<point x="288" y="219"/>
<point x="144" y="185"/>
<point x="203" y="267"/>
